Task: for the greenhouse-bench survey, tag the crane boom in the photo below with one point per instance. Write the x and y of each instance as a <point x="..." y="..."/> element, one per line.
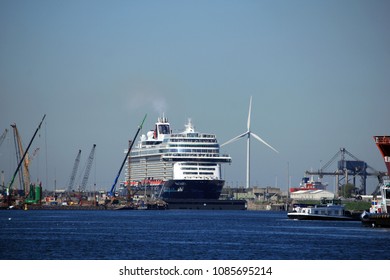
<point x="111" y="192"/>
<point x="9" y="188"/>
<point x="2" y="137"/>
<point x="25" y="180"/>
<point x="74" y="171"/>
<point x="88" y="168"/>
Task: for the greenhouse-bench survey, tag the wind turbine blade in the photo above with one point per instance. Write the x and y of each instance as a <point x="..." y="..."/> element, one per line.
<point x="249" y="114"/>
<point x="235" y="138"/>
<point x="262" y="141"/>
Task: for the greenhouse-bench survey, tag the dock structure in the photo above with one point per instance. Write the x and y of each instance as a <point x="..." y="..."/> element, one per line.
<point x="347" y="171"/>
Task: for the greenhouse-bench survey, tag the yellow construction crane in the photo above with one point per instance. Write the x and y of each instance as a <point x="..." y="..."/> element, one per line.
<point x="26" y="162"/>
<point x="9" y="187"/>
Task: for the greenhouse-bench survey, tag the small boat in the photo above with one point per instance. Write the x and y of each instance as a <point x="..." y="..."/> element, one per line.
<point x="327" y="210"/>
<point x="378" y="215"/>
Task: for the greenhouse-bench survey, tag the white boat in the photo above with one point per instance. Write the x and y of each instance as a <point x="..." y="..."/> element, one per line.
<point x="328" y="210"/>
<point x="378" y="215"/>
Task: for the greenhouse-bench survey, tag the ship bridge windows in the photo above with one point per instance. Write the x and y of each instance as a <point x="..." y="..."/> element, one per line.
<point x="197" y="164"/>
<point x="163" y="129"/>
<point x="196" y="173"/>
<point x="189" y="168"/>
<point x="195" y="151"/>
<point x="192" y="140"/>
<point x="190" y="173"/>
<point x="188" y="163"/>
<point x="196" y="144"/>
<point x="194" y="134"/>
<point x="195" y="168"/>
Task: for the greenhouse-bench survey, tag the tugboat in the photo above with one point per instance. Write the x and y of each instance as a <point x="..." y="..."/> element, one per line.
<point x="379" y="215"/>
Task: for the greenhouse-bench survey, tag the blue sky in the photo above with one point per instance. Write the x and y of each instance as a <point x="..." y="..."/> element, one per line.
<point x="317" y="70"/>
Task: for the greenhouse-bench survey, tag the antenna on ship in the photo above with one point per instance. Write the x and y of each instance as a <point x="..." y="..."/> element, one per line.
<point x="248" y="134"/>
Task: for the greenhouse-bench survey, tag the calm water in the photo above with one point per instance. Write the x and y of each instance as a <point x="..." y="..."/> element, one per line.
<point x="176" y="234"/>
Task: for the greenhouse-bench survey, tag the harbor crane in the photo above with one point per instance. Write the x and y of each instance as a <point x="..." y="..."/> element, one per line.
<point x="111" y="193"/>
<point x="347" y="170"/>
<point x="9" y="187"/>
<point x="74" y="171"/>
<point x="2" y="137"/>
<point x="87" y="169"/>
<point x="25" y="178"/>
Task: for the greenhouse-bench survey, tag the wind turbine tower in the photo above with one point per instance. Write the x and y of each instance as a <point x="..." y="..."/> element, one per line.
<point x="248" y="134"/>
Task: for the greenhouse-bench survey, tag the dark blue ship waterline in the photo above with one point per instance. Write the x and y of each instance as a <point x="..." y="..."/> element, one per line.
<point x="192" y="189"/>
<point x="181" y="234"/>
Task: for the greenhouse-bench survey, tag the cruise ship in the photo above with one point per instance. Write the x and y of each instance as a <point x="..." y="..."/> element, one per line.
<point x="185" y="165"/>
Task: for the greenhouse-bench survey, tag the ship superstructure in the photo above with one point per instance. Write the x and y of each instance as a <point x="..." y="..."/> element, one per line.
<point x="379" y="215"/>
<point x="383" y="144"/>
<point x="185" y="165"/>
<point x="309" y="184"/>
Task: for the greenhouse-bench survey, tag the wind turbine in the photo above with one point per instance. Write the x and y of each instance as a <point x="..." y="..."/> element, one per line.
<point x="248" y="134"/>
